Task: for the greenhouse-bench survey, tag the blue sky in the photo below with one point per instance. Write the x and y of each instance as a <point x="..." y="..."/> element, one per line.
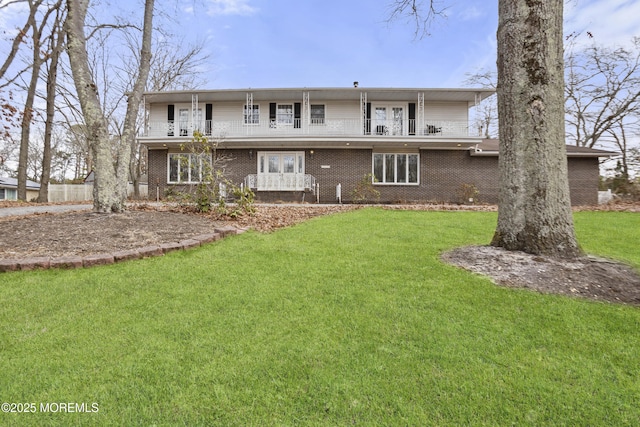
<point x="329" y="43"/>
<point x="332" y="43"/>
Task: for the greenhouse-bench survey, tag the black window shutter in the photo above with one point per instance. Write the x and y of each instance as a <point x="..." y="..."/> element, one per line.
<point x="412" y="118"/>
<point x="367" y="125"/>
<point x="297" y="115"/>
<point x="208" y="117"/>
<point x="171" y="109"/>
<point x="272" y="111"/>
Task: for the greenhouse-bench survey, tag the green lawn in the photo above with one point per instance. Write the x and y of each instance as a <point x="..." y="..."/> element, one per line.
<point x="346" y="319"/>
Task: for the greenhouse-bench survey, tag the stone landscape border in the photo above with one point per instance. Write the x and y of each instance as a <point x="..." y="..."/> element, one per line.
<point x="69" y="262"/>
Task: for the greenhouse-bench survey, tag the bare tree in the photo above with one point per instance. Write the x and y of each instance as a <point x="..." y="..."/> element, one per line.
<point x="134" y="100"/>
<point x="534" y="213"/>
<point x="620" y="134"/>
<point x="422" y="15"/>
<point x="78" y="146"/>
<point x="171" y="69"/>
<point x="55" y="49"/>
<point x="602" y="96"/>
<point x="111" y="178"/>
<point x="19" y="39"/>
<point x="486" y="120"/>
<point x="39" y="56"/>
<point x="10" y="115"/>
<point x="176" y="69"/>
<point x="601" y="90"/>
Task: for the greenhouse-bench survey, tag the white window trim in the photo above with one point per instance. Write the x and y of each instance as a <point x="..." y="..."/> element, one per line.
<point x="324" y="117"/>
<point x="293" y="114"/>
<point x="389" y="106"/>
<point x="244" y="117"/>
<point x="396" y="173"/>
<point x="190" y="181"/>
<point x="281" y="181"/>
<point x="9" y="194"/>
<point x="299" y="161"/>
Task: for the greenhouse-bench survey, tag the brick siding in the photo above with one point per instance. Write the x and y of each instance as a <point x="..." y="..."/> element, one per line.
<point x="443" y="173"/>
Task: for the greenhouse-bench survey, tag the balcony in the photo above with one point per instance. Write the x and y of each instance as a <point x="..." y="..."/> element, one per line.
<point x="328" y="127"/>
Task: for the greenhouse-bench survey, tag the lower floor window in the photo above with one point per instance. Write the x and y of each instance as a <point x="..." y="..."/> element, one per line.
<point x="395" y="168"/>
<point x="185" y="168"/>
<point x="8" y="194"/>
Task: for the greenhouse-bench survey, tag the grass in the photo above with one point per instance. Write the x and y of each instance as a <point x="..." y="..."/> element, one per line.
<point x="347" y="319"/>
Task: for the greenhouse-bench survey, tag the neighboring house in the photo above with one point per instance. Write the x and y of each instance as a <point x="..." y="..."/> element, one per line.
<point x="317" y="144"/>
<point x="9" y="189"/>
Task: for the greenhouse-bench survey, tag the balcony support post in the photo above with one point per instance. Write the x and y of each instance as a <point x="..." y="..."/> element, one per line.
<point x="194" y="112"/>
<point x="363" y="112"/>
<point x="420" y="115"/>
<point x="306" y="112"/>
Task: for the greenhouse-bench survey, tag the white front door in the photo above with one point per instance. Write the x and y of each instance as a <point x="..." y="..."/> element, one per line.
<point x="281" y="171"/>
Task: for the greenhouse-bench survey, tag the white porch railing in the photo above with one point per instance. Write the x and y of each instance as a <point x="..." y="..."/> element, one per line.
<point x="280" y="182"/>
<point x="328" y="127"/>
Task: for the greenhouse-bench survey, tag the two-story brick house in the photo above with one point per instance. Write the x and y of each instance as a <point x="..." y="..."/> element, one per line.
<point x="316" y="144"/>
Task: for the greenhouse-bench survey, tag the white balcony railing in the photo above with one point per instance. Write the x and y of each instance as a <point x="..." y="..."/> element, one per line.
<point x="328" y="127"/>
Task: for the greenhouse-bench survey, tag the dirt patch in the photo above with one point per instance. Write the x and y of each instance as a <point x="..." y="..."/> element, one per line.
<point x="86" y="233"/>
<point x="587" y="277"/>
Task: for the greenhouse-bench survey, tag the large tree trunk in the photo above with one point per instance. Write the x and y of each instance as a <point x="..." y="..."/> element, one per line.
<point x="534" y="207"/>
<point x="27" y="117"/>
<point x="111" y="175"/>
<point x="23" y="156"/>
<point x="105" y="188"/>
<point x="57" y="38"/>
<point x="128" y="146"/>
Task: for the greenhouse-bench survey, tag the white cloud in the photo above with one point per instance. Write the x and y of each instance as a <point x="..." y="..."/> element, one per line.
<point x="230" y="7"/>
<point x="12" y="16"/>
<point x="471" y="13"/>
<point x="611" y="22"/>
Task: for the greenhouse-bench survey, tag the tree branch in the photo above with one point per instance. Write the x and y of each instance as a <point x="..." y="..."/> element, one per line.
<point x="422" y="15"/>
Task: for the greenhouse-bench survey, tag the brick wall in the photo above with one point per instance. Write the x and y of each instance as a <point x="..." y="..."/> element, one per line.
<point x="338" y="166"/>
<point x="445" y="172"/>
<point x="442" y="176"/>
<point x="584" y="176"/>
<point x="157" y="173"/>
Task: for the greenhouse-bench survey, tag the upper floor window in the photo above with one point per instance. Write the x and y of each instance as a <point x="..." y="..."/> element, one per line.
<point x="317" y="114"/>
<point x="284" y="114"/>
<point x="251" y="115"/>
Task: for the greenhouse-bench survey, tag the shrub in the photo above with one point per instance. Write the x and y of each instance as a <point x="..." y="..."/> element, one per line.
<point x="468" y="194"/>
<point x="214" y="187"/>
<point x="365" y="192"/>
